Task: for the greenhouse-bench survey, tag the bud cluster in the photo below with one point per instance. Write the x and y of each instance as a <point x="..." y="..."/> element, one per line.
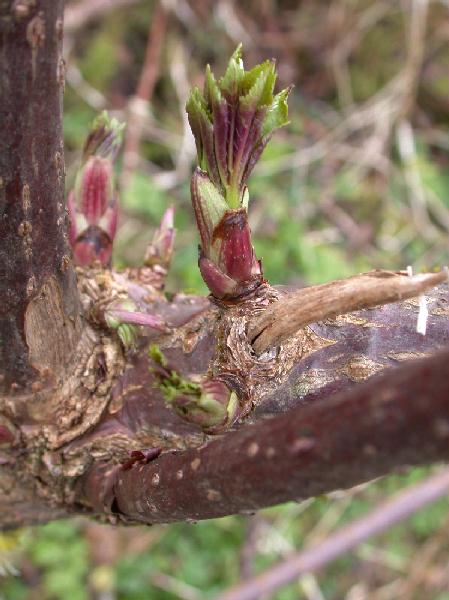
<point x="232" y="120"/>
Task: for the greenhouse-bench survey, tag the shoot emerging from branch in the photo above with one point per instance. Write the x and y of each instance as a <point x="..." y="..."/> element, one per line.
<point x="232" y="121"/>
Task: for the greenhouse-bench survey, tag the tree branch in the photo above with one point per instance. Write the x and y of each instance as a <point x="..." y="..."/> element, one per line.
<point x="316" y="303"/>
<point x="402" y="419"/>
<point x="34" y="258"/>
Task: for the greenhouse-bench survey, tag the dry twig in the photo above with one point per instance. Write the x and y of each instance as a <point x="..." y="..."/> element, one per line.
<point x="320" y="302"/>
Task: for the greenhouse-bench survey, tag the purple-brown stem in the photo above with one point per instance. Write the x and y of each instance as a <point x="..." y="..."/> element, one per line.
<point x="402" y="419"/>
<point x="33" y="247"/>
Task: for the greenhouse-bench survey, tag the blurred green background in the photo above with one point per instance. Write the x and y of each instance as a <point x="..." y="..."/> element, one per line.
<point x="358" y="180"/>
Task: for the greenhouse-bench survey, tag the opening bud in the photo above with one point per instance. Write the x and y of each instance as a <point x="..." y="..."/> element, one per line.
<point x="93" y="204"/>
<point x="209" y="403"/>
<point x="232" y="120"/>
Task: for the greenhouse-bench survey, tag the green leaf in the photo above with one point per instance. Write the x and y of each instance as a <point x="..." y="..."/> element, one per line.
<point x="254" y="98"/>
<point x="209" y="205"/>
<point x="212" y="94"/>
<point x="231" y="81"/>
<point x="265" y="72"/>
<point x="277" y="113"/>
<point x="196" y="112"/>
<point x="200" y="119"/>
<point x="156" y="354"/>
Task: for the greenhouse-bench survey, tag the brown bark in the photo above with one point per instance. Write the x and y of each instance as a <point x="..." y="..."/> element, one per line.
<point x="39" y="322"/>
<point x="72" y="445"/>
<point x="67" y="452"/>
<point x="34" y="259"/>
<point x="400" y="418"/>
<point x="319" y="302"/>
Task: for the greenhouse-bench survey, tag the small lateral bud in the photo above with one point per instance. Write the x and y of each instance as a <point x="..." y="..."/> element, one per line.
<point x="125" y="319"/>
<point x="211" y="406"/>
<point x="160" y="250"/>
<point x="208" y="403"/>
<point x="93" y="204"/>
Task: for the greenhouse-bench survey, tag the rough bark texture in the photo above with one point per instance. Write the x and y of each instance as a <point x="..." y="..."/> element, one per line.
<point x="318" y="302"/>
<point x="72" y="445"/>
<point x="34" y="259"/>
<point x="39" y="323"/>
<point x="75" y="403"/>
<point x="400" y="418"/>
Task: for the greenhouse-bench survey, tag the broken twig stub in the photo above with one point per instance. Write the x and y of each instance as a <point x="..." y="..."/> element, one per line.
<point x="319" y="302"/>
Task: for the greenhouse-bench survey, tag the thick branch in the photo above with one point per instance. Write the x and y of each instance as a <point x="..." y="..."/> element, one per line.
<point x="110" y="406"/>
<point x="320" y="302"/>
<point x="34" y="258"/>
<point x="402" y="418"/>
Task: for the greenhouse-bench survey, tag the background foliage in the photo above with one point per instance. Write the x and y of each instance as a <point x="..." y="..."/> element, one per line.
<point x="358" y="180"/>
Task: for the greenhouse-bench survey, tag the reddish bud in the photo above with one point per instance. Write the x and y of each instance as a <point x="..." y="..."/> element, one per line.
<point x="96" y="188"/>
<point x="227" y="260"/>
<point x="232" y="120"/>
<point x="120" y="316"/>
<point x="232" y="240"/>
<point x="92" y="205"/>
<point x="125" y="319"/>
<point x="92" y="245"/>
<point x="220" y="285"/>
